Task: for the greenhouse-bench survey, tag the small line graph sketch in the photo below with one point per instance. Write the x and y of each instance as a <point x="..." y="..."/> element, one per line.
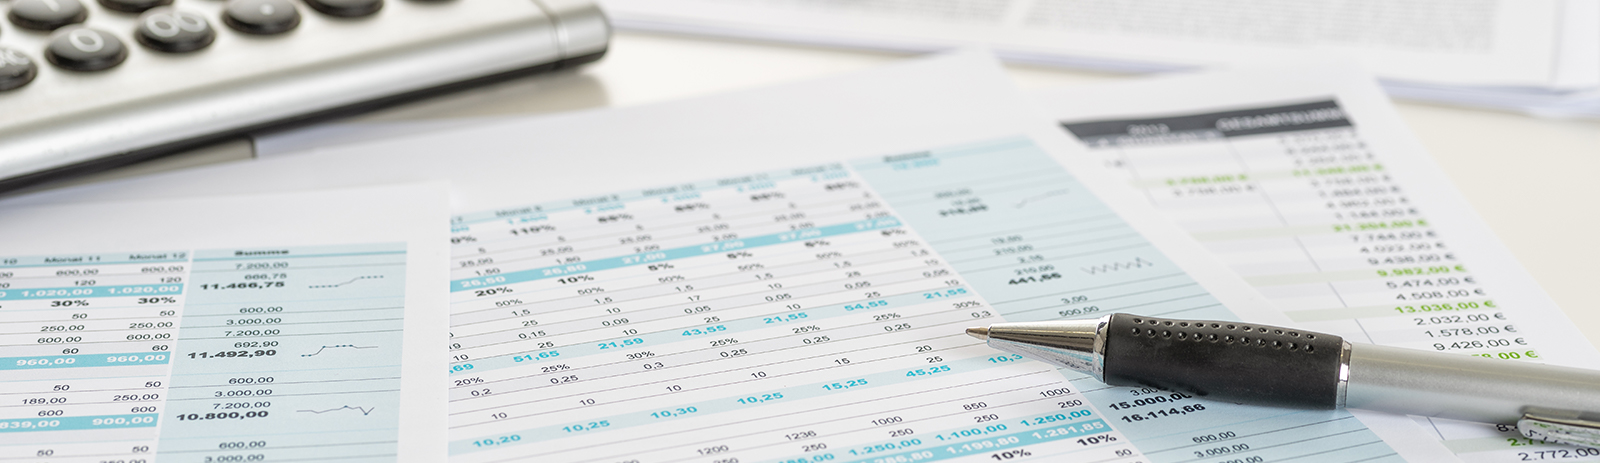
<point x="1042" y="196"/>
<point x="364" y="411"/>
<point x="346" y="282"/>
<point x="1117" y="266"/>
<point x="340" y="346"/>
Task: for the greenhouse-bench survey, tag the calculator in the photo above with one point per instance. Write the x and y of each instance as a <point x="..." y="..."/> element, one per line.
<point x="91" y="84"/>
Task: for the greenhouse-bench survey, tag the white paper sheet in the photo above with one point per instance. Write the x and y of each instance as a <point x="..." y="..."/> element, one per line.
<point x="1306" y="182"/>
<point x="1457" y="43"/>
<point x="1527" y="56"/>
<point x="949" y="109"/>
<point x="227" y="328"/>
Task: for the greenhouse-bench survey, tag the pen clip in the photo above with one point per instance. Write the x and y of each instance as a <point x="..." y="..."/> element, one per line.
<point x="1573" y="428"/>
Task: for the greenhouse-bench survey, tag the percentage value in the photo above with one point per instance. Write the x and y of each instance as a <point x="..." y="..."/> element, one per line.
<point x="1010" y="454"/>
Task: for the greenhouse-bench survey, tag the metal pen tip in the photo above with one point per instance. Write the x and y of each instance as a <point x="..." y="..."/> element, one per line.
<point x="980" y="332"/>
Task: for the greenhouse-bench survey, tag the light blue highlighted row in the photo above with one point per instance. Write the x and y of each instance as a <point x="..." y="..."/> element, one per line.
<point x="911" y="161"/>
<point x="972" y="439"/>
<point x="291" y="252"/>
<point x="45" y="362"/>
<point x="790" y="394"/>
<point x="78" y="423"/>
<point x="937" y="450"/>
<point x="676" y="192"/>
<point x="78" y="292"/>
<point x="675" y="253"/>
<point x="95" y="259"/>
<point x="707" y="332"/>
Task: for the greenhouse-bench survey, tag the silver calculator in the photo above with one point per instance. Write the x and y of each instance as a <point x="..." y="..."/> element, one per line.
<point x="93" y="84"/>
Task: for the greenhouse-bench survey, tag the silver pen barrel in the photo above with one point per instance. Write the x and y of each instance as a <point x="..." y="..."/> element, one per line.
<point x="1267" y="365"/>
<point x="1461" y="387"/>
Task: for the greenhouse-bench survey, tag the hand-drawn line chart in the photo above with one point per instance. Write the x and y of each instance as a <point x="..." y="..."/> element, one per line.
<point x="346" y="282"/>
<point x="364" y="411"/>
<point x="339" y="346"/>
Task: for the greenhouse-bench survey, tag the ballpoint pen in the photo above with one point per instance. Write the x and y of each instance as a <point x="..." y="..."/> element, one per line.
<point x="1270" y="365"/>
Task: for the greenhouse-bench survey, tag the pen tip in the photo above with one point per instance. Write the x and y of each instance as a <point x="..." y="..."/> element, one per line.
<point x="980" y="332"/>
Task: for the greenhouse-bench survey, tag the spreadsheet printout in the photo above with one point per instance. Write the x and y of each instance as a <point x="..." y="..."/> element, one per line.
<point x="816" y="313"/>
<point x="1319" y="198"/>
<point x="945" y="102"/>
<point x="256" y="352"/>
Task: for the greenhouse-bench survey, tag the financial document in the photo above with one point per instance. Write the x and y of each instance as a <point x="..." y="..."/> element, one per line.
<point x="816" y="313"/>
<point x="255" y="352"/>
<point x="734" y="281"/>
<point x="1317" y="196"/>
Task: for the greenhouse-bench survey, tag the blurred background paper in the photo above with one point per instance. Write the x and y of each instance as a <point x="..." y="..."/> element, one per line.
<point x="1534" y="56"/>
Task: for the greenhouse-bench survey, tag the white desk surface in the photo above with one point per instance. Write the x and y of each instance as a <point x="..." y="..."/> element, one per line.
<point x="1533" y="180"/>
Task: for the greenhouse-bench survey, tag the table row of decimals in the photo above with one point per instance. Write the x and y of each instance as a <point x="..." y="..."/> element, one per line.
<point x="838" y="417"/>
<point x="711" y="315"/>
<point x="631" y="238"/>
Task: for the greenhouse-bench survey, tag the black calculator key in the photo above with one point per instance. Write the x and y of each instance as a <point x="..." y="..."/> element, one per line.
<point x="16" y="69"/>
<point x="346" y="8"/>
<point x="133" y="6"/>
<point x="85" y="49"/>
<point x="47" y="15"/>
<point x="261" y="16"/>
<point x="174" y="31"/>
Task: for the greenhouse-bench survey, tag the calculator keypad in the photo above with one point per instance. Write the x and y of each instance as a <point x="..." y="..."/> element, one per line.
<point x="85" y="49"/>
<point x="174" y="31"/>
<point x="147" y="101"/>
<point x="47" y="15"/>
<point x="71" y="41"/>
<point x="16" y="69"/>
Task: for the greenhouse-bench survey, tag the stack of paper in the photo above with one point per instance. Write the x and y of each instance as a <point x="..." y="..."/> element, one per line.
<point x="1536" y="56"/>
<point x="783" y="275"/>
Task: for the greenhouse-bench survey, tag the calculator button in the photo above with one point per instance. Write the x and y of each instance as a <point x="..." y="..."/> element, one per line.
<point x="16" y="69"/>
<point x="85" y="49"/>
<point x="346" y="8"/>
<point x="133" y="6"/>
<point x="261" y="16"/>
<point x="47" y="15"/>
<point x="174" y="31"/>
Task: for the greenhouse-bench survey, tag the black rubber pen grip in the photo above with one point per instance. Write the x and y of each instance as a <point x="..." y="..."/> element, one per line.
<point x="1230" y="361"/>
